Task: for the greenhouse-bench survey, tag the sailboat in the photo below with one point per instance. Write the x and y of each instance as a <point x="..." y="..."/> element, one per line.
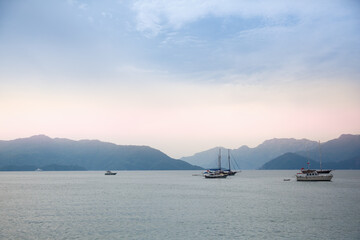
<point x="229" y="172"/>
<point x="216" y="173"/>
<point x="314" y="175"/>
<point x="321" y="171"/>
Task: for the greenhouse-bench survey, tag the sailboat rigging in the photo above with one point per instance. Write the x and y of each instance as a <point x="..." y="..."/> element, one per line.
<point x="216" y="173"/>
<point x="229" y="172"/>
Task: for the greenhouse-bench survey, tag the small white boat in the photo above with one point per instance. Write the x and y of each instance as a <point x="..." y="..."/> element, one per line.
<point x="110" y="173"/>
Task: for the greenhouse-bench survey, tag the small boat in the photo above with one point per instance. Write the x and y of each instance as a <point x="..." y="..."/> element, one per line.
<point x="286" y="179"/>
<point x="110" y="173"/>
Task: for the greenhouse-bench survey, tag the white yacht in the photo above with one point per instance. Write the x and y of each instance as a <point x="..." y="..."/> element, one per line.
<point x="313" y="175"/>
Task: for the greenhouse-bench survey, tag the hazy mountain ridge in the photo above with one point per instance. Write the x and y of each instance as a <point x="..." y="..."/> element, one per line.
<point x="41" y="151"/>
<point x="289" y="161"/>
<point x="345" y="147"/>
<point x="251" y="158"/>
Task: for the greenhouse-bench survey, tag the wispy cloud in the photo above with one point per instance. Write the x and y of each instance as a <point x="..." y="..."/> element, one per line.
<point x="158" y="16"/>
<point x="298" y="40"/>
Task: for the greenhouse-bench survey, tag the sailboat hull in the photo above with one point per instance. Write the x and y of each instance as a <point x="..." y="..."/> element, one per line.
<point x="230" y="173"/>
<point x="215" y="176"/>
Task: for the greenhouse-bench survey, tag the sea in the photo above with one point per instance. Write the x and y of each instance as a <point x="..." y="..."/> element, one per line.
<point x="253" y="204"/>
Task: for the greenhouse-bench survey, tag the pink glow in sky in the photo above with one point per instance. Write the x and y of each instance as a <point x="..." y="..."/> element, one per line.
<point x="182" y="124"/>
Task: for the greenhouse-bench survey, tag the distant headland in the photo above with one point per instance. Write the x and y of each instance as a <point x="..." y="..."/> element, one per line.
<point x="59" y="154"/>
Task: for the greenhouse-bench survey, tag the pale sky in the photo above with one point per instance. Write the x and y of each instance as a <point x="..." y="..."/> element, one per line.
<point x="180" y="76"/>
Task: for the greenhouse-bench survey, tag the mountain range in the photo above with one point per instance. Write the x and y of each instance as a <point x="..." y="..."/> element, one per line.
<point x="251" y="158"/>
<point x="290" y="161"/>
<point x="345" y="148"/>
<point x="63" y="154"/>
<point x="54" y="154"/>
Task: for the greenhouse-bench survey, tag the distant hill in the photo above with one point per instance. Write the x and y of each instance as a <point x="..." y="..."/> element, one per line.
<point x="352" y="163"/>
<point x="51" y="167"/>
<point x="251" y="158"/>
<point x="289" y="161"/>
<point x="296" y="161"/>
<point x="345" y="147"/>
<point x="63" y="154"/>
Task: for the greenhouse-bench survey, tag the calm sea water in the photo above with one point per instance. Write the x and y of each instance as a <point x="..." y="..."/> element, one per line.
<point x="177" y="205"/>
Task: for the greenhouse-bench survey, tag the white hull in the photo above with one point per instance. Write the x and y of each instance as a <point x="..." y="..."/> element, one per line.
<point x="303" y="177"/>
<point x="215" y="175"/>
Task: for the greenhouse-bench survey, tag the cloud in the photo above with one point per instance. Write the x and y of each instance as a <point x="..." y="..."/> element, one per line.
<point x="254" y="39"/>
<point x="156" y="16"/>
<point x="224" y="41"/>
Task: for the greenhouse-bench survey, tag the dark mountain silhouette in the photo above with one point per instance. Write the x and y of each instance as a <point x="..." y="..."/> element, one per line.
<point x="345" y="147"/>
<point x="290" y="161"/>
<point x="296" y="161"/>
<point x="39" y="151"/>
<point x="352" y="163"/>
<point x="51" y="167"/>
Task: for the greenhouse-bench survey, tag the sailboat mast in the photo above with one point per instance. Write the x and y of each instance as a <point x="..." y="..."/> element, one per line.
<point x="308" y="157"/>
<point x="320" y="155"/>
<point x="219" y="159"/>
<point x="229" y="158"/>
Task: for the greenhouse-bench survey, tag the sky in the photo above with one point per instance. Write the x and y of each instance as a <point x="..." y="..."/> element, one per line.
<point x="180" y="76"/>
